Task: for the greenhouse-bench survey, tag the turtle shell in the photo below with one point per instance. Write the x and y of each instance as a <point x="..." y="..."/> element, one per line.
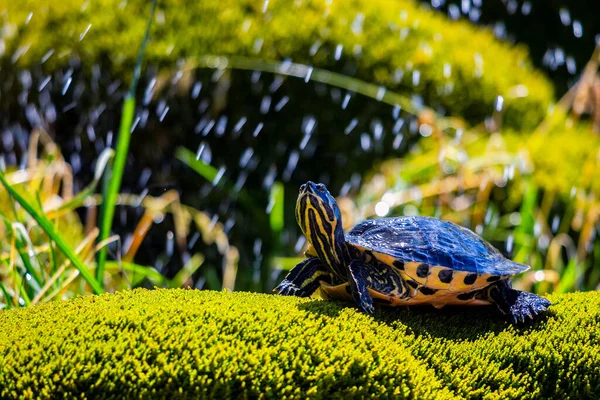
<point x="431" y="254"/>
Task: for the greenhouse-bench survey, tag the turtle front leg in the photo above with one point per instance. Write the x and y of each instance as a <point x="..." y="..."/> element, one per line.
<point x="304" y="279"/>
<point x="515" y="303"/>
<point x="357" y="277"/>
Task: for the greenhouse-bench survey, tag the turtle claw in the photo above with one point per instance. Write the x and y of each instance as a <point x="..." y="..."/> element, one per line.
<point x="516" y="304"/>
<point x="530" y="316"/>
<point x="527" y="305"/>
<point x="367" y="308"/>
<point x="287" y="288"/>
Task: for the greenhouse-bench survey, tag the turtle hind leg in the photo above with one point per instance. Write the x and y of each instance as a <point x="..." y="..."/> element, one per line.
<point x="304" y="279"/>
<point x="515" y="303"/>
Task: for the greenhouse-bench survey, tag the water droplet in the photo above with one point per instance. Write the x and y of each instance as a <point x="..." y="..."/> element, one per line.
<point x="474" y="15"/>
<point x="169" y="244"/>
<point x="397" y="142"/>
<point x="555" y="223"/>
<point x="246" y="156"/>
<point x="257" y="45"/>
<point x="276" y="84"/>
<point x="338" y="51"/>
<point x="499" y="103"/>
<point x="299" y="244"/>
<point x="353" y="123"/>
<point x="453" y="12"/>
<point x="314" y="48"/>
<point x="196" y="89"/>
<point x="308" y="124"/>
<point x="309" y="72"/>
<point x="416" y="77"/>
<point x="47" y="55"/>
<point x="346" y="101"/>
<point x="144" y="177"/>
<point x="240" y="124"/>
<point x="208" y="127"/>
<point x="164" y="114"/>
<point x="571" y="65"/>
<point x="465" y="6"/>
<point x="257" y="129"/>
<point x="291" y="165"/>
<point x="382" y="209"/>
<point x="270" y="177"/>
<point x="425" y="130"/>
<point x="220" y="174"/>
<point x="281" y="103"/>
<point x="565" y="16"/>
<point x="19" y="53"/>
<point x="357" y="24"/>
<point x="500" y="30"/>
<point x="539" y="276"/>
<point x="221" y="126"/>
<point x="86" y="30"/>
<point x="509" y="243"/>
<point x="265" y="104"/>
<point x="239" y="184"/>
<point x="577" y="29"/>
<point x="44" y="83"/>
<point x="365" y="141"/>
<point x="377" y="130"/>
<point x="204" y="153"/>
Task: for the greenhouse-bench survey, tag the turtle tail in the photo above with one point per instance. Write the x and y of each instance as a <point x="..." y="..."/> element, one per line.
<point x="516" y="304"/>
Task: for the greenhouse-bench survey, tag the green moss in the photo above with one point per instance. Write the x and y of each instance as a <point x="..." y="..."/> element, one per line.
<point x="461" y="68"/>
<point x="188" y="343"/>
<point x="564" y="158"/>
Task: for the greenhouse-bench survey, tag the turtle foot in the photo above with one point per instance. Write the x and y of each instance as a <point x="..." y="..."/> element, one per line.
<point x="288" y="288"/>
<point x="527" y="305"/>
<point x="518" y="305"/>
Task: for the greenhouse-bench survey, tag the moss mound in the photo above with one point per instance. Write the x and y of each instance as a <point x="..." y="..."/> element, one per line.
<point x="453" y="65"/>
<point x="190" y="344"/>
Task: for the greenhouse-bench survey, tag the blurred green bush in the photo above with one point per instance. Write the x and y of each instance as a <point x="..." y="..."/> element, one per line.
<point x="454" y="66"/>
<point x="187" y="343"/>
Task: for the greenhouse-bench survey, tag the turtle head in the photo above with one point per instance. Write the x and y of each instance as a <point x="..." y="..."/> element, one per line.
<point x="321" y="221"/>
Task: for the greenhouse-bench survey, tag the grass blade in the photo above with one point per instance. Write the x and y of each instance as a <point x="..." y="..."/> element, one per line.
<point x="302" y="71"/>
<point x="276" y="214"/>
<point x="116" y="174"/>
<point x="115" y="177"/>
<point x="50" y="230"/>
<point x="79" y="199"/>
<point x="6" y="296"/>
<point x="209" y="173"/>
<point x="138" y="273"/>
<point x="185" y="274"/>
<point x="203" y="169"/>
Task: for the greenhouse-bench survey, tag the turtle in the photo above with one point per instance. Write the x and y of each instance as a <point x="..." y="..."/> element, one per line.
<point x="401" y="261"/>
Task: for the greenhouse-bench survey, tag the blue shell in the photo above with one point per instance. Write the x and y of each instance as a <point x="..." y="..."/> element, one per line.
<point x="434" y="242"/>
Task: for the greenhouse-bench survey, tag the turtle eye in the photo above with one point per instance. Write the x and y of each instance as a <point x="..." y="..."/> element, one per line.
<point x="321" y="187"/>
<point x="302" y="187"/>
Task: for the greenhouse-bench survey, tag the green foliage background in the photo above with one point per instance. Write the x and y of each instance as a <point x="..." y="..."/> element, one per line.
<point x="479" y="66"/>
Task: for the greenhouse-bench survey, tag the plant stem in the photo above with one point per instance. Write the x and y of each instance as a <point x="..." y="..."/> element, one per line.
<point x="116" y="172"/>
